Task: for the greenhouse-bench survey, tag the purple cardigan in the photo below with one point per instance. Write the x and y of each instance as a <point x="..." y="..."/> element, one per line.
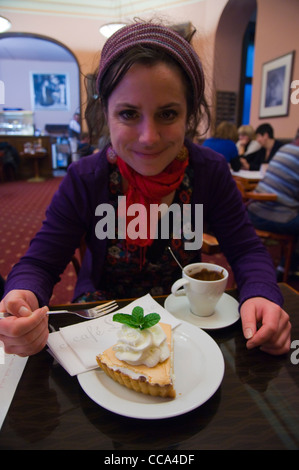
<point x="72" y="214"/>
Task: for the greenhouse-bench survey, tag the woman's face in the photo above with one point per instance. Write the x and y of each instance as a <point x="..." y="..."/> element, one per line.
<point x="244" y="139"/>
<point x="147" y="115"/>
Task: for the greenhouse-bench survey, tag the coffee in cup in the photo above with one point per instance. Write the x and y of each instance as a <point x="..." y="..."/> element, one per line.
<point x="203" y="284"/>
<point x="207" y="275"/>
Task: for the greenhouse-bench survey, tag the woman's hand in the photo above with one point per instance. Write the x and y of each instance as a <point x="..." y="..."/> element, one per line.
<point x="274" y="334"/>
<point x="25" y="332"/>
<point x="244" y="164"/>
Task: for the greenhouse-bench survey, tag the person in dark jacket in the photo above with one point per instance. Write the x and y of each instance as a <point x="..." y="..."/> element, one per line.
<point x="269" y="146"/>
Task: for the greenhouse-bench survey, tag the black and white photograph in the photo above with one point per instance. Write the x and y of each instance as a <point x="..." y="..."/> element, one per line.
<point x="49" y="91"/>
<point x="275" y="92"/>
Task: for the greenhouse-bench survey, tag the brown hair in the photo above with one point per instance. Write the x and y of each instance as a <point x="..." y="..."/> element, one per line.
<point x="226" y="130"/>
<point x="248" y="130"/>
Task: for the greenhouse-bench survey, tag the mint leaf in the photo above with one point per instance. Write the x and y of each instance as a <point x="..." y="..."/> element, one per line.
<point x="137" y="318"/>
<point x="150" y="320"/>
<point x="137" y="314"/>
<point x="126" y="319"/>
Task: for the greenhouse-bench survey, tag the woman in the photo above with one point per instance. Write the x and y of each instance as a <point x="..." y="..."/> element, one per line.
<point x="224" y="142"/>
<point x="246" y="143"/>
<point x="151" y="94"/>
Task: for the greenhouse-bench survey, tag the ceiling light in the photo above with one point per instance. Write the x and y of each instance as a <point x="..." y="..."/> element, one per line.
<point x="4" y="24"/>
<point x="108" y="29"/>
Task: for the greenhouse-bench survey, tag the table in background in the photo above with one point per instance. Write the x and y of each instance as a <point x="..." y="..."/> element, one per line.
<point x="249" y="179"/>
<point x="35" y="157"/>
<point x="24" y="170"/>
<point x="255" y="407"/>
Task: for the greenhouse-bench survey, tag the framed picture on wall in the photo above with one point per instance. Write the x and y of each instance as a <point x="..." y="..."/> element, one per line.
<point x="276" y="82"/>
<point x="50" y="91"/>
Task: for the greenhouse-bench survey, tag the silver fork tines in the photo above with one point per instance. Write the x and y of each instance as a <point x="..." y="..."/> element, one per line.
<point x="90" y="313"/>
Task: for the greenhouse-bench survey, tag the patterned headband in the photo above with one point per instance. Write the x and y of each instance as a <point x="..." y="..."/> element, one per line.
<point x="161" y="37"/>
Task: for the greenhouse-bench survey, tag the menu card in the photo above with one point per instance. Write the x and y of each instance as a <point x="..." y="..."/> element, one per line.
<point x="11" y="369"/>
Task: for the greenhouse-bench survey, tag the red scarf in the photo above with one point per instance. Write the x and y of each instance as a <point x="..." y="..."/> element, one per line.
<point x="147" y="190"/>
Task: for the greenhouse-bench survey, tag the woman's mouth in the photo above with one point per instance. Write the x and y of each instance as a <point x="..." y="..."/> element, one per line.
<point x="147" y="154"/>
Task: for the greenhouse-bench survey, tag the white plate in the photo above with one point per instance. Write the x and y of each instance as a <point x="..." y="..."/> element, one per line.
<point x="198" y="369"/>
<point x="226" y="312"/>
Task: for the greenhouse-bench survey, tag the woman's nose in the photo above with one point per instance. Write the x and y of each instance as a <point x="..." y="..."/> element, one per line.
<point x="149" y="132"/>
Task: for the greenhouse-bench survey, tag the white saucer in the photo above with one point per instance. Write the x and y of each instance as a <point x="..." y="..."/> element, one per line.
<point x="226" y="312"/>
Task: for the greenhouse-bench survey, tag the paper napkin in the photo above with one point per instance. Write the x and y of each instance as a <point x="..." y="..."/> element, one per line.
<point x="11" y="369"/>
<point x="75" y="347"/>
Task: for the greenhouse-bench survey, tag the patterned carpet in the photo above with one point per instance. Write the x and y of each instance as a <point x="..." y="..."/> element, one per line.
<point x="22" y="210"/>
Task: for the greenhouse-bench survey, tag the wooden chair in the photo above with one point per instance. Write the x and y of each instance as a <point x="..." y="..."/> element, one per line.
<point x="210" y="244"/>
<point x="285" y="241"/>
<point x="287" y="246"/>
<point x="247" y="184"/>
<point x="249" y="195"/>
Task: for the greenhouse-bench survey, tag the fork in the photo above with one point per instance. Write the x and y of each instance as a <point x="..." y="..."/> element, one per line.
<point x="88" y="314"/>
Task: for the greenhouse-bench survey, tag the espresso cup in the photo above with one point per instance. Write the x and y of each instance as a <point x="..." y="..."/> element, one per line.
<point x="203" y="295"/>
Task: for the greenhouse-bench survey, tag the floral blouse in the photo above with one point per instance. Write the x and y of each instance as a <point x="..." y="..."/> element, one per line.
<point x="133" y="271"/>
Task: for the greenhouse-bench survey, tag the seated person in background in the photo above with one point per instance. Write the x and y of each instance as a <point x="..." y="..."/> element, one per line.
<point x="281" y="178"/>
<point x="269" y="146"/>
<point x="247" y="143"/>
<point x="224" y="142"/>
<point x="282" y="215"/>
<point x="84" y="147"/>
<point x="10" y="159"/>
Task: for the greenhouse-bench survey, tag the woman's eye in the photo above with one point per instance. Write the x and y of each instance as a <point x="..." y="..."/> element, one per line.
<point x="128" y="114"/>
<point x="168" y="114"/>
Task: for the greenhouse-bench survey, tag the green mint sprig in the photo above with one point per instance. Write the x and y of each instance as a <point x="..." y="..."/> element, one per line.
<point x="137" y="318"/>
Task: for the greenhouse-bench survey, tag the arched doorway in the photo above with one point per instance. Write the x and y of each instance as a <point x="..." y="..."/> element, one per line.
<point x="229" y="55"/>
<point x="41" y="76"/>
<point x="25" y="59"/>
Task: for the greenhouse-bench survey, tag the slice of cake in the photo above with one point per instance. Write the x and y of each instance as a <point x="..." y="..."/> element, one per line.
<point x="142" y="359"/>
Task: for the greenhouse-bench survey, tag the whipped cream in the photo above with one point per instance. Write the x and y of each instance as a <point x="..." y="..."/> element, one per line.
<point x="147" y="347"/>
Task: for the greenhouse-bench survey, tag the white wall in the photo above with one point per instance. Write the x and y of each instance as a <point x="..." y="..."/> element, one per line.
<point x="16" y="75"/>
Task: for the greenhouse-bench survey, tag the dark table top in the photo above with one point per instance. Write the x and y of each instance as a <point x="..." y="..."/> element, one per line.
<point x="255" y="407"/>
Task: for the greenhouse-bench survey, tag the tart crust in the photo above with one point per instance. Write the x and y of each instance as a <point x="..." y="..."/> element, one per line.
<point x="155" y="381"/>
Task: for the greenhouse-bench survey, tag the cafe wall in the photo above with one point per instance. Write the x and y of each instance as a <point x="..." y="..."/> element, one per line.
<point x="277" y="33"/>
<point x="16" y="75"/>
